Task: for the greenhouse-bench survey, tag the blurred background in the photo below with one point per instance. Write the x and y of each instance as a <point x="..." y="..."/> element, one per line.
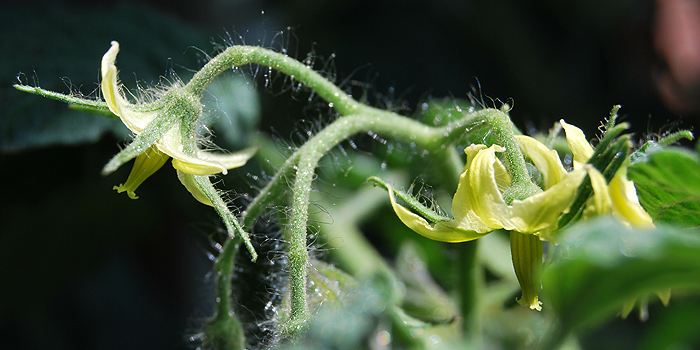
<point x="85" y="268"/>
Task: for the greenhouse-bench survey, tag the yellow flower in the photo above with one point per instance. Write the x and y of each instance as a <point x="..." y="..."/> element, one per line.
<point x="479" y="207"/>
<point x="144" y="166"/>
<point x="164" y="128"/>
<point x="618" y="197"/>
<point x="167" y="127"/>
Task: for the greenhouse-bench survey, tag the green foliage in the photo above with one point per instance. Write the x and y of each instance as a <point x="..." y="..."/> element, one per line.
<point x="668" y="185"/>
<point x="390" y="287"/>
<point x="599" y="265"/>
<point x="62" y="63"/>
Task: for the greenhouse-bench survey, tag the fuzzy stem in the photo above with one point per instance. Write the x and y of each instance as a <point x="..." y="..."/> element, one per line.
<point x="224" y="330"/>
<point x="357" y="118"/>
<point x="236" y="56"/>
<point x="502" y="129"/>
<point x="233" y="227"/>
<point x="469" y="280"/>
<point x="383" y="123"/>
<point x="380" y="122"/>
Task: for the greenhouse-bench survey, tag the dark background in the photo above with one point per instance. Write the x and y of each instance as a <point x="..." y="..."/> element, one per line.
<point x="84" y="268"/>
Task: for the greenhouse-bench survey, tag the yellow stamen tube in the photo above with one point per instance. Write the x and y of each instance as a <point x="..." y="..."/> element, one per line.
<point x="526" y="250"/>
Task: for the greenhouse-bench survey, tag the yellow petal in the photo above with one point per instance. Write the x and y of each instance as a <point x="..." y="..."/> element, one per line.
<point x="625" y="204"/>
<point x="110" y="88"/>
<point x="545" y="159"/>
<point x="664" y="296"/>
<point x="144" y="166"/>
<point x="439" y="232"/>
<point x="207" y="163"/>
<point x="578" y="143"/>
<point x="526" y="252"/>
<point x="627" y="308"/>
<point x="541" y="211"/>
<point x="135" y="121"/>
<point x="478" y="204"/>
<point x="600" y="203"/>
<point x="188" y="181"/>
<point x="202" y="162"/>
<point x="229" y="161"/>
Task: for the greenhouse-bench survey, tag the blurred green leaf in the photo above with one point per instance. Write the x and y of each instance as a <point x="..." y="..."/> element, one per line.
<point x="56" y="53"/>
<point x="600" y="264"/>
<point x="668" y="186"/>
<point x="424" y="298"/>
<point x="234" y="110"/>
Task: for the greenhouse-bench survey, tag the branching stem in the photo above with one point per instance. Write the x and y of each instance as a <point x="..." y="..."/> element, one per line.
<point x="354" y="118"/>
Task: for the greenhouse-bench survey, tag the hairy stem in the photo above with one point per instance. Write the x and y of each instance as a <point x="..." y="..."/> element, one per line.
<point x="356" y="118"/>
<point x="236" y="56"/>
<point x="224" y="330"/>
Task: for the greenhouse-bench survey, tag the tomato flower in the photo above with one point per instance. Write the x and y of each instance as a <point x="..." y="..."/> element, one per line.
<point x="479" y="207"/>
<point x="164" y="128"/>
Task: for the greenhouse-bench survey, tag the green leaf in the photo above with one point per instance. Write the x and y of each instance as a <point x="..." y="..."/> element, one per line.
<point x="234" y="107"/>
<point x="668" y="186"/>
<point x="424" y="299"/>
<point x="55" y="60"/>
<point x="600" y="264"/>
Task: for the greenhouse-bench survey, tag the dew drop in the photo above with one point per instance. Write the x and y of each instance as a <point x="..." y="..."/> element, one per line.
<point x="383" y="338"/>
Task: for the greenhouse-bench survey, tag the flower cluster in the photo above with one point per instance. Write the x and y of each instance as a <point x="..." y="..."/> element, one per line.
<point x="166" y="128"/>
<point x="479" y="206"/>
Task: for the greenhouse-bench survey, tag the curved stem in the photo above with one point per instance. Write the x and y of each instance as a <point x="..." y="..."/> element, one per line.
<point x="236" y="56"/>
<point x="356" y="118"/>
<point x="224" y="330"/>
<point x="502" y="129"/>
<point x="381" y="122"/>
<point x="307" y="157"/>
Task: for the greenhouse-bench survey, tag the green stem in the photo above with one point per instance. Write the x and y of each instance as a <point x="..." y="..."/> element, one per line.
<point x="381" y="122"/>
<point x="230" y="220"/>
<point x="237" y="56"/>
<point x="469" y="280"/>
<point x="296" y="236"/>
<point x="225" y="331"/>
<point x="357" y="118"/>
<point x="502" y="129"/>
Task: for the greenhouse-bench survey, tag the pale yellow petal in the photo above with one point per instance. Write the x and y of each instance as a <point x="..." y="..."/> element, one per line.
<point x="229" y="160"/>
<point x="110" y="89"/>
<point x="627" y="307"/>
<point x="625" y="204"/>
<point x="664" y="296"/>
<point x="201" y="162"/>
<point x="135" y="121"/>
<point x="171" y="143"/>
<point x="439" y="232"/>
<point x="578" y="143"/>
<point x="144" y="166"/>
<point x="545" y="159"/>
<point x="478" y="204"/>
<point x="188" y="181"/>
<point x="599" y="203"/>
<point x="541" y="211"/>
